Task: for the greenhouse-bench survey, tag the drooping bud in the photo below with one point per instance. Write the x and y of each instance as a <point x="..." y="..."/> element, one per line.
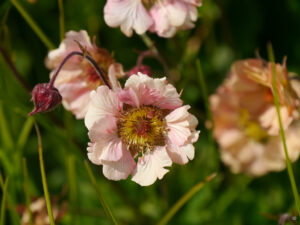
<point x="140" y="68"/>
<point x="45" y="98"/>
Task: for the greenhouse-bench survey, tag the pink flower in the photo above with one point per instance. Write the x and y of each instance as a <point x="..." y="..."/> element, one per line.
<point x="164" y="17"/>
<point x="139" y="130"/>
<point x="245" y="120"/>
<point x="78" y="78"/>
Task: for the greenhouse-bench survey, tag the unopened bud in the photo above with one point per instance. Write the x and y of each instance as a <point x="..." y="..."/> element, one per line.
<point x="141" y="68"/>
<point x="45" y="98"/>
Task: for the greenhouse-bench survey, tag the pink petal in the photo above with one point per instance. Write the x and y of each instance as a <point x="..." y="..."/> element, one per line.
<point x="151" y="166"/>
<point x="178" y="126"/>
<point x="108" y="146"/>
<point x="181" y="155"/>
<point x="120" y="169"/>
<point x="104" y="102"/>
<point x="129" y="14"/>
<point x="269" y="119"/>
<point x="160" y="93"/>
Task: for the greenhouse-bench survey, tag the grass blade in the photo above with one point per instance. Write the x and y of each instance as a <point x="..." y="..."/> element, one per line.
<point x="26" y="191"/>
<point x="7" y="139"/>
<point x="282" y="133"/>
<point x="44" y="180"/>
<point x="33" y="24"/>
<point x="103" y="202"/>
<point x="25" y="133"/>
<point x="184" y="200"/>
<point x="3" y="202"/>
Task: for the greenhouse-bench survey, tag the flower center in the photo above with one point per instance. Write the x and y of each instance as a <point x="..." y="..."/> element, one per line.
<point x="142" y="129"/>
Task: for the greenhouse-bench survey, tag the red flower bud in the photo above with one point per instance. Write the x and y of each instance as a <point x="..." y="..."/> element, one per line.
<point x="45" y="98"/>
<point x="141" y="68"/>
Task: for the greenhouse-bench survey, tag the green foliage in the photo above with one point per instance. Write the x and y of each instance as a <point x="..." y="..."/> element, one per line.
<point x="227" y="30"/>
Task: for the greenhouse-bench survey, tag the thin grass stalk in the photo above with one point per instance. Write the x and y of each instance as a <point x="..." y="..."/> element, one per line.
<point x="102" y="200"/>
<point x="43" y="173"/>
<point x="61" y="20"/>
<point x="26" y="191"/>
<point x="282" y="133"/>
<point x="33" y="25"/>
<point x="7" y="139"/>
<point x="184" y="199"/>
<point x="206" y="101"/>
<point x="3" y="202"/>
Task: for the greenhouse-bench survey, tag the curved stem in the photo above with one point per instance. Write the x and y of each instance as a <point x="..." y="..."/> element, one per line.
<point x="91" y="61"/>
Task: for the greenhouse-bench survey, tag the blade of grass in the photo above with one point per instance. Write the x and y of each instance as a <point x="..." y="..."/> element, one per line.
<point x="103" y="202"/>
<point x="282" y="133"/>
<point x="207" y="107"/>
<point x="3" y="202"/>
<point x="7" y="139"/>
<point x="43" y="173"/>
<point x="184" y="199"/>
<point x="33" y="25"/>
<point x="61" y="20"/>
<point x="25" y="133"/>
<point x="26" y="191"/>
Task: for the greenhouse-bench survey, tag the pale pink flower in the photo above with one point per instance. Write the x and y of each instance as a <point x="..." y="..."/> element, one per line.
<point x="77" y="77"/>
<point x="139" y="130"/>
<point x="245" y="119"/>
<point x="164" y="17"/>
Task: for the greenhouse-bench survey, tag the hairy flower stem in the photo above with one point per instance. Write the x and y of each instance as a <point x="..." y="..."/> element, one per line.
<point x="91" y="61"/>
<point x="282" y="133"/>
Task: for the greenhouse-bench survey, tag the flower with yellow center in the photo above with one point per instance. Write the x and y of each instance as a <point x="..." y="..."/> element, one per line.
<point x="245" y="121"/>
<point x="139" y="130"/>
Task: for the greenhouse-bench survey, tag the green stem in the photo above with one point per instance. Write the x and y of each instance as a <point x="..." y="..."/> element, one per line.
<point x="44" y="180"/>
<point x="33" y="24"/>
<point x="3" y="202"/>
<point x="282" y="133"/>
<point x="26" y="191"/>
<point x="184" y="199"/>
<point x="103" y="202"/>
<point x="61" y="20"/>
<point x="206" y="100"/>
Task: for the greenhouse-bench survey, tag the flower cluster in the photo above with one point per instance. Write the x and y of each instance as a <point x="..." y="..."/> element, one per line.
<point x="163" y="17"/>
<point x="137" y="130"/>
<point x="245" y="120"/>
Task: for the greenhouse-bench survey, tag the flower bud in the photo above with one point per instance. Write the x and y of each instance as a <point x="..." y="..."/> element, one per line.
<point x="140" y="68"/>
<point x="45" y="98"/>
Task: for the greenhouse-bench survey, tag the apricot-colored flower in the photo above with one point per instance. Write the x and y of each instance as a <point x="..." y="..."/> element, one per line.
<point x="139" y="130"/>
<point x="245" y="120"/>
<point x="78" y="78"/>
<point x="164" y="17"/>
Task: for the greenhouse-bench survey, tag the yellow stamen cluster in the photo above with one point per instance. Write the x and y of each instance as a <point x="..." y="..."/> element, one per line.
<point x="142" y="128"/>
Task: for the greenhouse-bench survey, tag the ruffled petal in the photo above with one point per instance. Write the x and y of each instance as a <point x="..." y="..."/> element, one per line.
<point x="151" y="166"/>
<point x="128" y="14"/>
<point x="108" y="145"/>
<point x="181" y="155"/>
<point x="160" y="93"/>
<point x="269" y="119"/>
<point x="120" y="169"/>
<point x="104" y="102"/>
<point x="178" y="125"/>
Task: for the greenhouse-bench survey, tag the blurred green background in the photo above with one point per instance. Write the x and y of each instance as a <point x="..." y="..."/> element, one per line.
<point x="227" y="30"/>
